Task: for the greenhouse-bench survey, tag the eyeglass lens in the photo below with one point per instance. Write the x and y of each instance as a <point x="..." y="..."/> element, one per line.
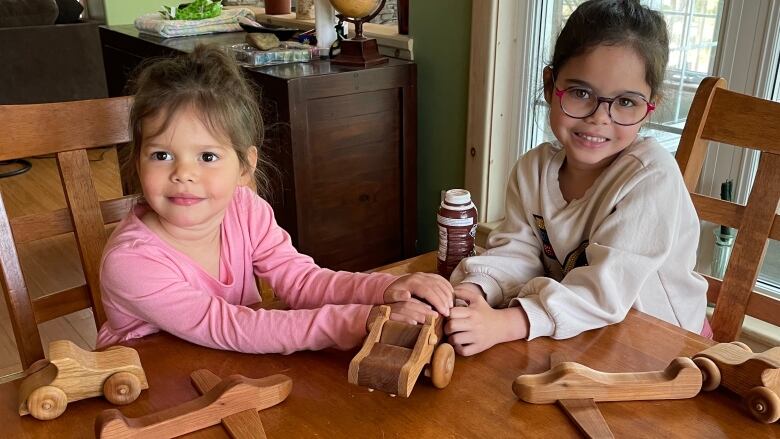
<point x="627" y="109"/>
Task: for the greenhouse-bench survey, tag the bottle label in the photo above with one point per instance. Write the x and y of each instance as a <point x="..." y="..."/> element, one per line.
<point x="442" y="243"/>
<point x="454" y="222"/>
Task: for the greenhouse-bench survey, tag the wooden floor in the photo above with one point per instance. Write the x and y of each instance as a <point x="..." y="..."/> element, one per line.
<point x="40" y="190"/>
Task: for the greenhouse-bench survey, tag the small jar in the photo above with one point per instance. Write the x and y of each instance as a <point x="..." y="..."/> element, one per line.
<point x="457" y="221"/>
<point x="278" y="7"/>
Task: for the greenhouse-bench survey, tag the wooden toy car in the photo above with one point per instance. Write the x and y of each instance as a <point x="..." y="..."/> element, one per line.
<point x="755" y="377"/>
<point x="395" y="353"/>
<point x="72" y="374"/>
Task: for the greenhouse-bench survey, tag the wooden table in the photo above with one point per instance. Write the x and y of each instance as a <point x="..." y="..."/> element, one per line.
<point x="478" y="402"/>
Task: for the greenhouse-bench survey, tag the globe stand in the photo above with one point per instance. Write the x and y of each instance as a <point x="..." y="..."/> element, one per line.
<point x="360" y="51"/>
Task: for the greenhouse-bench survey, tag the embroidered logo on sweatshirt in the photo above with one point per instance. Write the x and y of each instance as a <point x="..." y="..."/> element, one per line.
<point x="575" y="258"/>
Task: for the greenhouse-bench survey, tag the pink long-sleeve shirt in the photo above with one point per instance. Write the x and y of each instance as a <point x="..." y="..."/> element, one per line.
<point x="148" y="286"/>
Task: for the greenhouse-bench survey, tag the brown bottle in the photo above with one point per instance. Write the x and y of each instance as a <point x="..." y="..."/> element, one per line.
<point x="457" y="221"/>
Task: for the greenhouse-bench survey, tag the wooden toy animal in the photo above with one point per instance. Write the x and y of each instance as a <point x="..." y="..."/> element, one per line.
<point x="395" y="353"/>
<point x="569" y="380"/>
<point x="755" y="377"/>
<point x="234" y="395"/>
<point x="72" y="374"/>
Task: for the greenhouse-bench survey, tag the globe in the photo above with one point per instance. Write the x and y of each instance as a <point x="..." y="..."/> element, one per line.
<point x="355" y="8"/>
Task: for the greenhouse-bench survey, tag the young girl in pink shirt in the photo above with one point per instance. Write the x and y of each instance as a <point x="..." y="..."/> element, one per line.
<point x="185" y="259"/>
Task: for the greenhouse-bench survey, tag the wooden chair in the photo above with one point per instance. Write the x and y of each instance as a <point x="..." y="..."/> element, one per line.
<point x="68" y="130"/>
<point x="724" y="116"/>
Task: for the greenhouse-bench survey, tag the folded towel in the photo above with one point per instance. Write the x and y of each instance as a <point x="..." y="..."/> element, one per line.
<point x="154" y="24"/>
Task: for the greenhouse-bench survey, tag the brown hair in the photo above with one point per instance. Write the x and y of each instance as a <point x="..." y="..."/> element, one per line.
<point x="210" y="81"/>
<point x="616" y="22"/>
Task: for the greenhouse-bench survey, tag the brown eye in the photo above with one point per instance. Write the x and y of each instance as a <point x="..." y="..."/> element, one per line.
<point x="161" y="155"/>
<point x="579" y="93"/>
<point x="627" y="101"/>
<point x="209" y="157"/>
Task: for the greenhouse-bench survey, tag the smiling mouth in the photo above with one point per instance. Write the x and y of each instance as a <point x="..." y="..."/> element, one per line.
<point x="591" y="139"/>
<point x="185" y="200"/>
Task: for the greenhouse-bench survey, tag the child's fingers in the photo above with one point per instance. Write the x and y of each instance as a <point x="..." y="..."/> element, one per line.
<point x="468" y="295"/>
<point x="468" y="350"/>
<point x="456" y="325"/>
<point x="437" y="291"/>
<point x="459" y="349"/>
<point x="438" y="300"/>
<point x="461" y="338"/>
<point x="460" y="312"/>
<point x="403" y="318"/>
<point x="412" y="309"/>
<point x="397" y="295"/>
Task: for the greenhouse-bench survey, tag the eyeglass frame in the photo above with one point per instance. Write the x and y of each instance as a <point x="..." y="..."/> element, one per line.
<point x="599" y="100"/>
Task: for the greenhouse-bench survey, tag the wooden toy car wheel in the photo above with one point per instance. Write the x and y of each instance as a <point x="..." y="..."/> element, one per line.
<point x="709" y="372"/>
<point x="742" y="345"/>
<point x="764" y="404"/>
<point x="122" y="388"/>
<point x="442" y="365"/>
<point x="47" y="402"/>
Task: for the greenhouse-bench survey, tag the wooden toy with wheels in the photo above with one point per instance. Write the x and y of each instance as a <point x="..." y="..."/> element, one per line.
<point x="72" y="374"/>
<point x="755" y="377"/>
<point x="395" y="353"/>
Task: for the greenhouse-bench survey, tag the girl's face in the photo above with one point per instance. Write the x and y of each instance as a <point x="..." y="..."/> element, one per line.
<point x="188" y="174"/>
<point x="607" y="71"/>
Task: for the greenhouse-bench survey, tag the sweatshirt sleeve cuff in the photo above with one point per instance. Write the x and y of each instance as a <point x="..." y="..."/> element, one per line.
<point x="539" y="322"/>
<point x="381" y="282"/>
<point x="489" y="286"/>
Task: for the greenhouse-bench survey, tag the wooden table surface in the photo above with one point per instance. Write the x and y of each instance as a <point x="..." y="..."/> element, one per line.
<point x="478" y="402"/>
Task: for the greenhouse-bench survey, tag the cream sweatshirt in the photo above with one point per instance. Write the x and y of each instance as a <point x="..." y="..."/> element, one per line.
<point x="629" y="242"/>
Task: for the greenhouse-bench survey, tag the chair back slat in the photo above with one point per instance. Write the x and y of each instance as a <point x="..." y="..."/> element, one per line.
<point x="747" y="255"/>
<point x="693" y="149"/>
<point x="68" y="130"/>
<point x="41" y="129"/>
<point x="57" y="222"/>
<point x="82" y="199"/>
<point x="747" y="116"/>
<point x="717" y="211"/>
<point x="723" y="116"/>
<point x="61" y="303"/>
<point x="20" y="309"/>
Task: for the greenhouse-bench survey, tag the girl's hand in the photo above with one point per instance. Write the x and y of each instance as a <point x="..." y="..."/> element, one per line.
<point x="476" y="327"/>
<point x="432" y="288"/>
<point x="410" y="311"/>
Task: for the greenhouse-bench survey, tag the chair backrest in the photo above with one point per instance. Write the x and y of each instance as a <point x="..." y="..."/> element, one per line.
<point x="724" y="116"/>
<point x="68" y="130"/>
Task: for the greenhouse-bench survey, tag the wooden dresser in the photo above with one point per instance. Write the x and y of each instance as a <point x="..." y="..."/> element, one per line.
<point x="343" y="141"/>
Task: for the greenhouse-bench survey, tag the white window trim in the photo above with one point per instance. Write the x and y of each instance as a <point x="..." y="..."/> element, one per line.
<point x="500" y="78"/>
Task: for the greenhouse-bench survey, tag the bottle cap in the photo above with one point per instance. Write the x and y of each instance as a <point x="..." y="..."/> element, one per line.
<point x="457" y="196"/>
